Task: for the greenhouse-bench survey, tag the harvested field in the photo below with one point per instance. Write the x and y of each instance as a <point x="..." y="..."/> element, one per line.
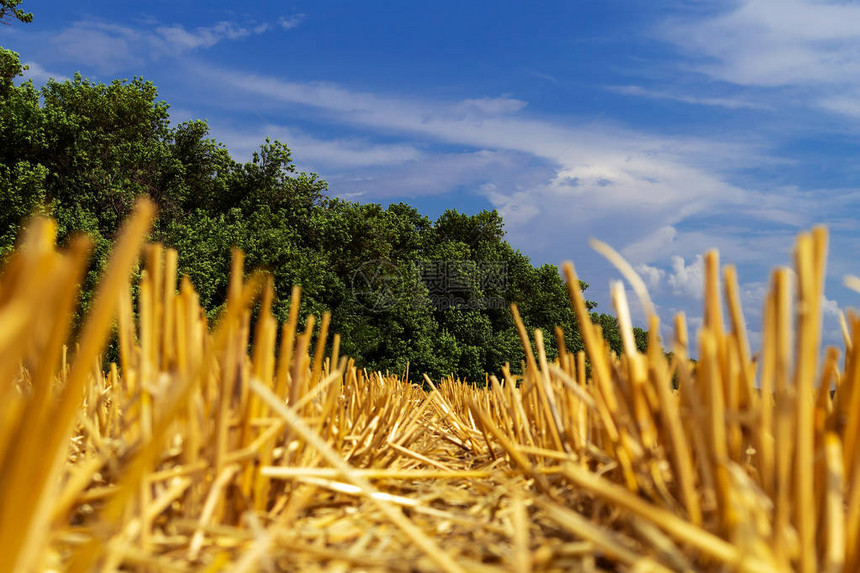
<point x="196" y="453"/>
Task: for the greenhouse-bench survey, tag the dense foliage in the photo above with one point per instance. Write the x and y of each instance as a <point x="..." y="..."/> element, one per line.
<point x="401" y="288"/>
<point x="9" y="9"/>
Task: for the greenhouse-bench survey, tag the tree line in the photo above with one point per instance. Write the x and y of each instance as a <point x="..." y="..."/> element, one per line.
<point x="401" y="288"/>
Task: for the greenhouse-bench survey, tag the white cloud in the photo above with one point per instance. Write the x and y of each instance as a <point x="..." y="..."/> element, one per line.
<point x="729" y="103"/>
<point x="752" y="297"/>
<point x="650" y="247"/>
<point x="515" y="208"/>
<point x="434" y="174"/>
<point x="688" y="280"/>
<point x="110" y="47"/>
<point x="574" y="180"/>
<point x="340" y="153"/>
<point x="694" y="325"/>
<point x="557" y="182"/>
<point x="683" y="279"/>
<point x="291" y="22"/>
<point x="603" y="164"/>
<point x="354" y="152"/>
<point x="204" y="37"/>
<point x="543" y="76"/>
<point x="842" y="104"/>
<point x="652" y="276"/>
<point x="775" y="42"/>
<point x="39" y="74"/>
<point x="830" y="307"/>
<point x="808" y="44"/>
<point x="659" y="199"/>
<point x="359" y="167"/>
<point x="100" y="44"/>
<point x="491" y="106"/>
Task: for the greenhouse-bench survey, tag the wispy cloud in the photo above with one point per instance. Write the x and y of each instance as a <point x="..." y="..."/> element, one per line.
<point x="327" y="154"/>
<point x="647" y="248"/>
<point x="482" y="122"/>
<point x="291" y="22"/>
<point x="729" y="103"/>
<point x="809" y="45"/>
<point x="180" y="38"/>
<point x="360" y="167"/>
<point x="658" y="193"/>
<point x="434" y="174"/>
<point x="39" y="74"/>
<point x="487" y="107"/>
<point x="543" y="76"/>
<point x="103" y="45"/>
<point x="110" y="47"/>
<point x="846" y="104"/>
<point x="775" y="43"/>
<point x="592" y="175"/>
<point x="661" y="199"/>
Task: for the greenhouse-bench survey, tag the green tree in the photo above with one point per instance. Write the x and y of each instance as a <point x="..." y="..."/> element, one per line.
<point x="22" y="179"/>
<point x="612" y="333"/>
<point x="83" y="151"/>
<point x="9" y="8"/>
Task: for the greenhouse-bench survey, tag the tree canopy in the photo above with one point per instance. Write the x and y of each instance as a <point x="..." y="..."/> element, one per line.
<point x="9" y="8"/>
<point x="402" y="289"/>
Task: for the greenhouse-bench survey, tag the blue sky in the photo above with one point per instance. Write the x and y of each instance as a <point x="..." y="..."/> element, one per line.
<point x="663" y="128"/>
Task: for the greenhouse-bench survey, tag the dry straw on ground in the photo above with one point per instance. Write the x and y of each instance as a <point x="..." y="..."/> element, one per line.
<point x="195" y="453"/>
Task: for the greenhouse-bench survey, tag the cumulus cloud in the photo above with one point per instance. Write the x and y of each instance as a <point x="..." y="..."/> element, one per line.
<point x="681" y="278"/>
<point x="830" y="307"/>
<point x="652" y="276"/>
<point x="687" y="279"/>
